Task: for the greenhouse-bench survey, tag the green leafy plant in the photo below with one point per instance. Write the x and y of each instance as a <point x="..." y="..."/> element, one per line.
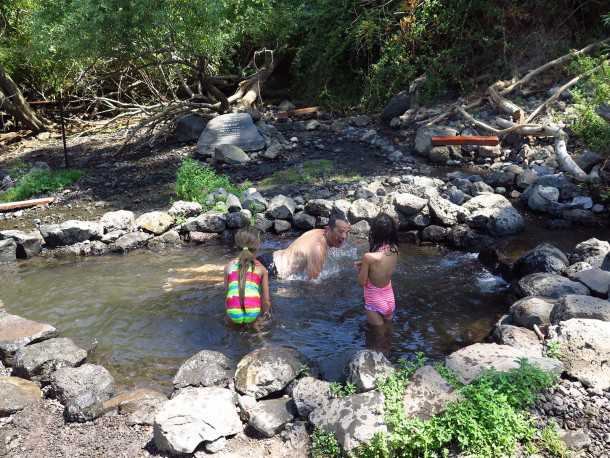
<point x="339" y="390"/>
<point x="553" y="349"/>
<point x="551" y="442"/>
<point x="324" y="445"/>
<point x="306" y="173"/>
<point x="448" y="375"/>
<point x="40" y="182"/>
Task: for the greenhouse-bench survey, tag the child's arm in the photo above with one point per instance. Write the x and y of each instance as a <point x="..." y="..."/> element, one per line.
<point x="363" y="272"/>
<point x="266" y="297"/>
<point x="225" y="278"/>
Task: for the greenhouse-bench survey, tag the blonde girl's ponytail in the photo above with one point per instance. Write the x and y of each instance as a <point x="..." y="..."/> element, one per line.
<point x="248" y="241"/>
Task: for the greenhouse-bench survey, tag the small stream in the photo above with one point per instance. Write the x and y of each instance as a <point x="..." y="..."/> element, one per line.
<point x="445" y="300"/>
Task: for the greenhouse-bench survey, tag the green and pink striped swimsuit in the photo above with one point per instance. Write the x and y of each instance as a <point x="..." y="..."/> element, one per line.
<point x="251" y="308"/>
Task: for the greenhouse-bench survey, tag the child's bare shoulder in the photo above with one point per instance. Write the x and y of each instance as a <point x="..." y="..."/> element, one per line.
<point x="370" y="257"/>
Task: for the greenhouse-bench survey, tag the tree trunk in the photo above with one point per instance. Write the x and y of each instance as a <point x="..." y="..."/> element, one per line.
<point x="13" y="102"/>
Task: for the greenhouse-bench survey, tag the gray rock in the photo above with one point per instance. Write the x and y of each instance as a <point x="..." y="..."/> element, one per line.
<point x="273" y="150"/>
<point x="131" y="241"/>
<point x="270" y="417"/>
<point x="252" y="200"/>
<point x="29" y="244"/>
<point x="171" y="237"/>
<point x="17" y="332"/>
<point x="304" y="221"/>
<point x="236" y="129"/>
<point x="268" y="370"/>
<point x="82" y="390"/>
<point x="360" y="229"/>
<point x="465" y="238"/>
<point x="233" y="203"/>
<point x="479" y="188"/>
<point x="8" y="250"/>
<point x="113" y="236"/>
<point x="362" y="209"/>
<point x="493" y="214"/>
<point x="71" y="232"/>
<point x="577" y="306"/>
<point x="86" y="248"/>
<point x="435" y="234"/>
<point x="427" y="394"/>
<point x="206" y="368"/>
<point x="155" y="222"/>
<point x="423" y="138"/>
<point x="526" y="179"/>
<point x="280" y="225"/>
<point x="121" y="220"/>
<point x="397" y="105"/>
<point x="585" y="203"/>
<point x="237" y="220"/>
<point x="491" y="152"/>
<point x="596" y="279"/>
<point x="230" y="154"/>
<point x="195" y="415"/>
<point x="281" y="207"/>
<point x="592" y="251"/>
<point x="532" y="310"/>
<point x="215" y="446"/>
<point x="39" y="360"/>
<point x="571" y="270"/>
<point x="439" y="154"/>
<point x="575" y="440"/>
<point x="261" y="223"/>
<point x="445" y="212"/>
<point x="408" y="204"/>
<point x="211" y="221"/>
<point x="309" y="393"/>
<point x="542" y="198"/>
<point x="469" y="362"/>
<point x="140" y="406"/>
<point x="354" y="420"/>
<point x="312" y="125"/>
<point x="588" y="159"/>
<point x="17" y="394"/>
<point x="518" y="337"/>
<point x="543" y="258"/>
<point x="549" y="285"/>
<point x="319" y="207"/>
<point x="367" y="366"/>
<point x="189" y="127"/>
<point x="185" y="209"/>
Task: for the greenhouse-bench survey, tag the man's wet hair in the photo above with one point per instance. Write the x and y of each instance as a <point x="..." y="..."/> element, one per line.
<point x="336" y="215"/>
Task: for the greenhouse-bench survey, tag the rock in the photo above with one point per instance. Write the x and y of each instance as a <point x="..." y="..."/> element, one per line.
<point x="585" y="203"/>
<point x="8" y="250"/>
<point x="195" y="415"/>
<point x="457" y="196"/>
<point x="427" y="394"/>
<point x="435" y="234"/>
<point x="526" y="179"/>
<point x="17" y="394"/>
<point x="423" y="138"/>
<point x="280" y="225"/>
<point x="189" y="127"/>
<point x="121" y="220"/>
<point x="71" y="232"/>
<point x="286" y="105"/>
<point x="171" y="237"/>
<point x="252" y="200"/>
<point x="319" y="207"/>
<point x="281" y="207"/>
<point x="575" y="440"/>
<point x="29" y="244"/>
<point x="361" y="120"/>
<point x="237" y="220"/>
<point x="206" y="368"/>
<point x="491" y="152"/>
<point x="480" y="188"/>
<point x="543" y="258"/>
<point x="581" y="217"/>
<point x="362" y="209"/>
<point x="268" y="370"/>
<point x="215" y="446"/>
<point x="592" y="251"/>
<point x="571" y="270"/>
<point x="596" y="279"/>
<point x="397" y="105"/>
<point x="273" y="150"/>
<point x="542" y="198"/>
<point x="439" y="154"/>
<point x="588" y="159"/>
<point x="465" y="238"/>
<point x="235" y="129"/>
<point x="269" y="417"/>
<point x="521" y="338"/>
<point x="585" y="351"/>
<point x="230" y="154"/>
<point x="494" y="214"/>
<point x="312" y="125"/>
<point x="354" y="420"/>
<point x="365" y="367"/>
<point x="309" y="394"/>
<point x="549" y="285"/>
<point x="86" y="248"/>
<point x="447" y="213"/>
<point x="39" y="360"/>
<point x="131" y="241"/>
<point x="532" y="310"/>
<point x="578" y="306"/>
<point x="140" y="405"/>
<point x="17" y="332"/>
<point x="360" y="229"/>
<point x="408" y="204"/>
<point x="185" y="209"/>
<point x="304" y="221"/>
<point x="155" y="222"/>
<point x="261" y="223"/>
<point x="82" y="390"/>
<point x="113" y="236"/>
<point x="210" y="221"/>
<point x="469" y="362"/>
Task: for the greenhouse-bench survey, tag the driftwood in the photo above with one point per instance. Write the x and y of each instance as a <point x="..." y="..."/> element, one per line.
<point x="297" y="112"/>
<point x="25" y="204"/>
<point x="506" y="105"/>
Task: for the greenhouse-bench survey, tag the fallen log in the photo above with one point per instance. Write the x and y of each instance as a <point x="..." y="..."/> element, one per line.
<point x="297" y="112"/>
<point x="489" y="140"/>
<point x="9" y="206"/>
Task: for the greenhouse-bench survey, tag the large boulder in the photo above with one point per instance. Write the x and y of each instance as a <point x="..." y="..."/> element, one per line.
<point x="281" y="207"/>
<point x="367" y="366"/>
<point x="304" y="221"/>
<point x="465" y="238"/>
<point x="397" y="105"/>
<point x="189" y="127"/>
<point x="549" y="285"/>
<point x="494" y="214"/>
<point x="185" y="209"/>
<point x="211" y="221"/>
<point x="17" y="332"/>
<point x="8" y="250"/>
<point x="140" y="405"/>
<point x="543" y="258"/>
<point x="206" y="368"/>
<point x="577" y="306"/>
<point x="237" y="220"/>
<point x="532" y="310"/>
<point x="446" y="212"/>
<point x="427" y="394"/>
<point x="423" y="138"/>
<point x="518" y="337"/>
<point x="82" y="390"/>
<point x="596" y="279"/>
<point x="470" y="362"/>
<point x="120" y="220"/>
<point x="155" y="222"/>
<point x="194" y="416"/>
<point x="131" y="241"/>
<point x="362" y="209"/>
<point x="354" y="420"/>
<point x="543" y="198"/>
<point x="230" y="154"/>
<point x="253" y="200"/>
<point x="309" y="393"/>
<point x="268" y="370"/>
<point x="28" y="243"/>
<point x="71" y="232"/>
<point x="319" y="207"/>
<point x="39" y="360"/>
<point x="408" y="204"/>
<point x="17" y="394"/>
<point x="236" y="129"/>
<point x="585" y="350"/>
<point x="592" y="251"/>
<point x="270" y="417"/>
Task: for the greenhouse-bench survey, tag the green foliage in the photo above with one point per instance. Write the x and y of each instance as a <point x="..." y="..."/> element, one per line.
<point x="338" y="390"/>
<point x="549" y="440"/>
<point x="553" y="349"/>
<point x="306" y="173"/>
<point x="195" y="181"/>
<point x="40" y="182"/>
<point x="324" y="445"/>
<point x="449" y="376"/>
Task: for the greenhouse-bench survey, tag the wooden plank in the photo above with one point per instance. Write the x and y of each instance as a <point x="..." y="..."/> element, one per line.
<point x="9" y="206"/>
<point x="488" y="140"/>
<point x="297" y="112"/>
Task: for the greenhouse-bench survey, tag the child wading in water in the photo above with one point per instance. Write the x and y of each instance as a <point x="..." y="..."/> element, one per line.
<point x="375" y="274"/>
<point x="246" y="282"/>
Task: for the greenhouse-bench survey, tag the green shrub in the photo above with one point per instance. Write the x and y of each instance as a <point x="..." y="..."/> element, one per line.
<point x="324" y="445"/>
<point x="338" y="390"/>
<point x="195" y="181"/>
<point x="40" y="182"/>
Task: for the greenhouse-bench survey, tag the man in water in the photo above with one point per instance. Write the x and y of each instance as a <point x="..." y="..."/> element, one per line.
<point x="308" y="252"/>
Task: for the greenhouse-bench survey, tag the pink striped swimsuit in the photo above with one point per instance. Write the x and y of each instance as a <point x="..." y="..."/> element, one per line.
<point x="380" y="300"/>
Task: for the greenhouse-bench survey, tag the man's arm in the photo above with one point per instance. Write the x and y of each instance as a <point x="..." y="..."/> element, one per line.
<point x="266" y="299"/>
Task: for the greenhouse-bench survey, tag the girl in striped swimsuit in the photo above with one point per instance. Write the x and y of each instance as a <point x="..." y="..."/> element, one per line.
<point x="246" y="282"/>
<point x="376" y="269"/>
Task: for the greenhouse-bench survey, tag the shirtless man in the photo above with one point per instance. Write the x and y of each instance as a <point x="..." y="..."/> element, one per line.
<point x="308" y="252"/>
